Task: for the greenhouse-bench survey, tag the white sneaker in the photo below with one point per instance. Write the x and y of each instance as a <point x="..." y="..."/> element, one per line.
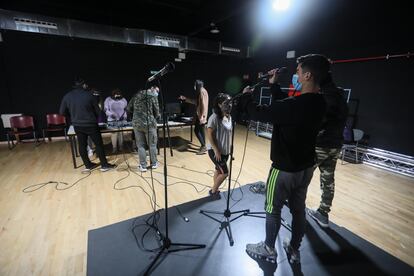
<point x="154" y="166"/>
<point x="142" y="168"/>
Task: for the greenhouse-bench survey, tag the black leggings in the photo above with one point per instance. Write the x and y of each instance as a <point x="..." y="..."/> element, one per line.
<point x="199" y="132"/>
<point x="221" y="166"/>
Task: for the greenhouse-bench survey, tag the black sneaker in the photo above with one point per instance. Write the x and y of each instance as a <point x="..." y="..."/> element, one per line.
<point x="292" y="254"/>
<point x="107" y="167"/>
<point x="90" y="167"/>
<point x="215" y="195"/>
<point x="321" y="219"/>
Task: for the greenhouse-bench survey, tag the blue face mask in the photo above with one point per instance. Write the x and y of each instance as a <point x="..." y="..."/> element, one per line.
<point x="295" y="83"/>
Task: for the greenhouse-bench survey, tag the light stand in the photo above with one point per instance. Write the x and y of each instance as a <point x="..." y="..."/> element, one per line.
<point x="165" y="239"/>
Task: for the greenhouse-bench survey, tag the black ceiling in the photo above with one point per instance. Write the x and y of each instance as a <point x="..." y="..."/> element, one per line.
<point x="352" y="22"/>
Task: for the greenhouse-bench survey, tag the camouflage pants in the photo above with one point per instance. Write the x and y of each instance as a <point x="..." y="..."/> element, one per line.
<point x="326" y="161"/>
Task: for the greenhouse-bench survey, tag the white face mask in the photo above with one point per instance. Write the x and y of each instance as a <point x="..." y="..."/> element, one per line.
<point x="153" y="91"/>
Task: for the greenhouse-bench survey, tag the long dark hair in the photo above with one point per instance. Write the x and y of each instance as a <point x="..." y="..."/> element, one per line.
<point x="116" y="91"/>
<point x="220" y="99"/>
<point x="198" y="85"/>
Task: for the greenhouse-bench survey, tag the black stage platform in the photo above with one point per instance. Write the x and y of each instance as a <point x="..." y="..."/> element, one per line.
<point x="112" y="250"/>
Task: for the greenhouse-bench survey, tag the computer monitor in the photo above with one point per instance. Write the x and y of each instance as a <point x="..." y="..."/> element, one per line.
<point x="173" y="108"/>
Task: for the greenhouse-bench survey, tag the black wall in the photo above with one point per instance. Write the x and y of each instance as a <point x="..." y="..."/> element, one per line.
<point x="385" y="94"/>
<point x="382" y="88"/>
<point x="37" y="70"/>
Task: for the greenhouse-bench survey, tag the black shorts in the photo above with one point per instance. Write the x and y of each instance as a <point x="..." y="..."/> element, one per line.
<point x="221" y="166"/>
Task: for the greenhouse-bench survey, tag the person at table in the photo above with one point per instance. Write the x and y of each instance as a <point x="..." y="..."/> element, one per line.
<point x="83" y="110"/>
<point x="145" y="112"/>
<point x="115" y="110"/>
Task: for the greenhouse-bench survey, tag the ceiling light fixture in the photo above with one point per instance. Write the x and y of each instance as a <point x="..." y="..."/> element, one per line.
<point x="281" y="5"/>
<point x="214" y="29"/>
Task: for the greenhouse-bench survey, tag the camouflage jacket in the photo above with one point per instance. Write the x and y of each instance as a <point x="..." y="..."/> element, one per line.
<point x="145" y="110"/>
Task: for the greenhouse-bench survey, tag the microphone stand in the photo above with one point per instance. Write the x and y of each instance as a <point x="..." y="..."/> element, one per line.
<point x="168" y="133"/>
<point x="165" y="239"/>
<point x="225" y="224"/>
<point x="237" y="96"/>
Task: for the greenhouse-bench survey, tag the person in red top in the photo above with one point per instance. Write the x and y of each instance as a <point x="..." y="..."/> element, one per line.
<point x="292" y="91"/>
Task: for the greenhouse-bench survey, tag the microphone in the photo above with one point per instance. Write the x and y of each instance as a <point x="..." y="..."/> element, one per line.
<point x="262" y="78"/>
<point x="279" y="71"/>
<point x="166" y="69"/>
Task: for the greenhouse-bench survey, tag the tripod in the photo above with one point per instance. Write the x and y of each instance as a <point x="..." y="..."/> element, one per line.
<point x="225" y="224"/>
<point x="165" y="239"/>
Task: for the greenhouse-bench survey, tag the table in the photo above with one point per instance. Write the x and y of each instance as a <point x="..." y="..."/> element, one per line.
<point x="73" y="142"/>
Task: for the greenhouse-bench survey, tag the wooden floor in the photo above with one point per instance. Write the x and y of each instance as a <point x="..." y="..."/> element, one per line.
<point x="44" y="232"/>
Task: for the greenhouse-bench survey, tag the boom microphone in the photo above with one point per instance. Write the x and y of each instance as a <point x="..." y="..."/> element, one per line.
<point x="166" y="69"/>
<point x="279" y="71"/>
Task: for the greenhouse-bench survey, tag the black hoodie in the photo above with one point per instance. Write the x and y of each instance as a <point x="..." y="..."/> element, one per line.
<point x="332" y="128"/>
<point x="82" y="107"/>
<point x="296" y="122"/>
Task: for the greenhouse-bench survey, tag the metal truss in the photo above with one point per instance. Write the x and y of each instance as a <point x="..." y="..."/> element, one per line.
<point x="387" y="160"/>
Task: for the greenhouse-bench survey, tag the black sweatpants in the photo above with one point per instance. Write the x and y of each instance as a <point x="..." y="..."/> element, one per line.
<point x="82" y="133"/>
<point x="282" y="186"/>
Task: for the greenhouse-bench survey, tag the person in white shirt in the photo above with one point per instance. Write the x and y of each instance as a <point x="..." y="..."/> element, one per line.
<point x="219" y="129"/>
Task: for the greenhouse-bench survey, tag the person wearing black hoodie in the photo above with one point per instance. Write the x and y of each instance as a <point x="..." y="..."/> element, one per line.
<point x="328" y="147"/>
<point x="296" y="122"/>
<point x="83" y="110"/>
